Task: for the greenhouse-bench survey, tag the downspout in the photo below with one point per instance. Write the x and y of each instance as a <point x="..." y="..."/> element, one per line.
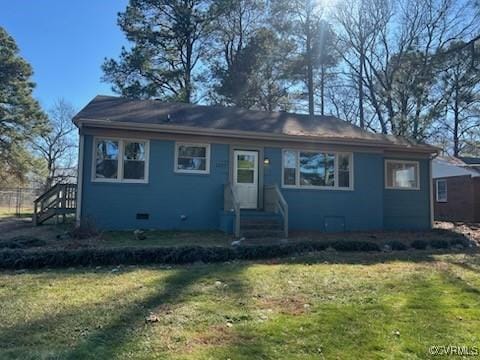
<point x="78" y="213"/>
<point x="432" y="215"/>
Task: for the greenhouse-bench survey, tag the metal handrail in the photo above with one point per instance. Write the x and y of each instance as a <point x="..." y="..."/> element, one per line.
<point x="281" y="205"/>
<point x="231" y="203"/>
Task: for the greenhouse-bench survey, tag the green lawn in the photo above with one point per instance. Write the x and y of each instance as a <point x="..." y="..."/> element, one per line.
<point x="10" y="212"/>
<point x="328" y="305"/>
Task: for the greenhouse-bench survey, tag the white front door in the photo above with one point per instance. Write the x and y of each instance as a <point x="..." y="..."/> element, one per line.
<point x="245" y="178"/>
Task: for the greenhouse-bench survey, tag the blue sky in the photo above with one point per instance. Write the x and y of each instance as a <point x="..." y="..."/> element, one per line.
<point x="65" y="42"/>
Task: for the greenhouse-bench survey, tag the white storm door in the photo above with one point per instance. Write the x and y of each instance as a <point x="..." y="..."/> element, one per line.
<point x="245" y="178"/>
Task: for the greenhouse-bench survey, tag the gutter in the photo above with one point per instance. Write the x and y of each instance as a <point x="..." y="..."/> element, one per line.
<point x="432" y="215"/>
<point x="78" y="212"/>
<point x="190" y="130"/>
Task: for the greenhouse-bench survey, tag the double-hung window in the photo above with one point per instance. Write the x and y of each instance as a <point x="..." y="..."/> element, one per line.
<point x="192" y="158"/>
<point x="315" y="169"/>
<point x="402" y="175"/>
<point x="441" y="190"/>
<point x="120" y="160"/>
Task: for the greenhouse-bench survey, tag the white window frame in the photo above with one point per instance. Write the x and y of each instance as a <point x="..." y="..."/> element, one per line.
<point x="409" y="162"/>
<point x="310" y="187"/>
<point x="446" y="190"/>
<point x="207" y="158"/>
<point x="120" y="160"/>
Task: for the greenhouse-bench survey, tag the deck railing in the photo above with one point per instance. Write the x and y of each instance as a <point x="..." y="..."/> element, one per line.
<point x="231" y="203"/>
<point x="61" y="199"/>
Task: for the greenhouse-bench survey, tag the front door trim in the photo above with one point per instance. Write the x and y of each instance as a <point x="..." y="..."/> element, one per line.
<point x="260" y="182"/>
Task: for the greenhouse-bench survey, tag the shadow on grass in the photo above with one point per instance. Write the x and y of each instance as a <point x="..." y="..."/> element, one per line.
<point x="370" y="258"/>
<point x="118" y="334"/>
<point x="366" y="327"/>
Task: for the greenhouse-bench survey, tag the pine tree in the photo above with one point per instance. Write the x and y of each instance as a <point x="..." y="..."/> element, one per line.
<point x="167" y="38"/>
<point x="20" y="115"/>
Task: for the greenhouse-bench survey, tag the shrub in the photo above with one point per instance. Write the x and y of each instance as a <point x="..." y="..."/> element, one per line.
<point x="355" y="245"/>
<point x="22" y="242"/>
<point x="85" y="230"/>
<point x="16" y="258"/>
<point x="439" y="243"/>
<point x="419" y="244"/>
<point x="460" y="241"/>
<point x="397" y="245"/>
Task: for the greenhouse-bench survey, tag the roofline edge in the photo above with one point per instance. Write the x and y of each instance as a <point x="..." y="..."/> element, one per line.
<point x="426" y="149"/>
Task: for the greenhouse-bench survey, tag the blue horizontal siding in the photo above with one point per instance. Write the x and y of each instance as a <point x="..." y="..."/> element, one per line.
<point x="170" y="196"/>
<point x="361" y="208"/>
<point x="409" y="209"/>
<point x="166" y="197"/>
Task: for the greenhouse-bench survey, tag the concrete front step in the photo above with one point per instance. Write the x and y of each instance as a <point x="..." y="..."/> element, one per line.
<point x="257" y="225"/>
<point x="260" y="224"/>
<point x="264" y="222"/>
<point x="262" y="233"/>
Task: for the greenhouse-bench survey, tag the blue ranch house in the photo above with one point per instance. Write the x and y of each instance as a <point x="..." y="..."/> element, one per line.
<point x="155" y="165"/>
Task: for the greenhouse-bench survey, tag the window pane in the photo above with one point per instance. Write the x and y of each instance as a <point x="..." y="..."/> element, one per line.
<point x="289" y="159"/>
<point x="343" y="170"/>
<point x="245" y="176"/>
<point x="134" y="170"/>
<point x="192" y="158"/>
<point x="317" y="169"/>
<point x="134" y="160"/>
<point x="343" y="162"/>
<point x="289" y="167"/>
<point x="344" y="179"/>
<point x="134" y="151"/>
<point x="330" y="170"/>
<point x="192" y="151"/>
<point x="401" y="175"/>
<point x="246" y="161"/>
<point x="441" y="190"/>
<point x="106" y="164"/>
<point x="289" y="176"/>
<point x="195" y="164"/>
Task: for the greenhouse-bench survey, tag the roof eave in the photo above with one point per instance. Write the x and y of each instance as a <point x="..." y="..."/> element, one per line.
<point x="175" y="129"/>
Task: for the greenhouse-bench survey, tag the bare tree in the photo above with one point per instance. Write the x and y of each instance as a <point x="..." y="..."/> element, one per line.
<point x="393" y="50"/>
<point x="58" y="147"/>
<point x="461" y="84"/>
<point x="356" y="35"/>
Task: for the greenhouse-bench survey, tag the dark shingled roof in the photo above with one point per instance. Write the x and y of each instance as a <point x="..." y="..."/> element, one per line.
<point x="470" y="160"/>
<point x="155" y="112"/>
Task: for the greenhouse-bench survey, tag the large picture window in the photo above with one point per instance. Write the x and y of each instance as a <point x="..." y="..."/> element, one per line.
<point x="401" y="174"/>
<point x="192" y="158"/>
<point x="120" y="160"/>
<point x="313" y="169"/>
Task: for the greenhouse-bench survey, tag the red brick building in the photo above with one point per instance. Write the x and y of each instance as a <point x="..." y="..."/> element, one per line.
<point x="456" y="189"/>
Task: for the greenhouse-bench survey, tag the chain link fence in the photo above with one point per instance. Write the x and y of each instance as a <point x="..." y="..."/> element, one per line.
<point x="18" y="201"/>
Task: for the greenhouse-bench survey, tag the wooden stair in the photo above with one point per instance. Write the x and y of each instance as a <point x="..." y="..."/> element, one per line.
<point x="59" y="200"/>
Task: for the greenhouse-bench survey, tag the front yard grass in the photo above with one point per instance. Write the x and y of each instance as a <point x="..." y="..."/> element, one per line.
<point x="323" y="306"/>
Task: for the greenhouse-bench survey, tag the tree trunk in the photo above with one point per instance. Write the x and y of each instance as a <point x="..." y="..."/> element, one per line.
<point x="188" y="74"/>
<point x="456" y="120"/>
<point x="311" y="106"/>
<point x="360" y="89"/>
<point x="322" y="90"/>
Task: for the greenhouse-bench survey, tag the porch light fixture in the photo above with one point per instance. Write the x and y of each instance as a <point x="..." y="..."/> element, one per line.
<point x="266" y="161"/>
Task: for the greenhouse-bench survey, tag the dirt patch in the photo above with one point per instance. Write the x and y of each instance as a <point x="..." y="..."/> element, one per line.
<point x="470" y="230"/>
<point x="13" y="224"/>
<point x="285" y="305"/>
<point x="215" y="336"/>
